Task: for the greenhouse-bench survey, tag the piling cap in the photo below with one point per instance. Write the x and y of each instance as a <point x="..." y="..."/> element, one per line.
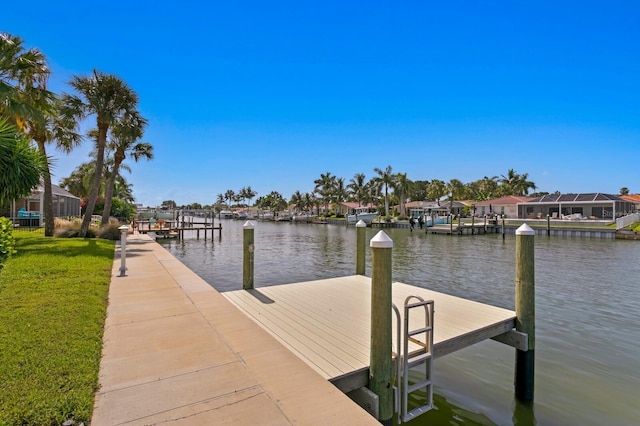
<point x="249" y="225"/>
<point x="525" y="229"/>
<point x="361" y="224"/>
<point x="124" y="228"/>
<point x="381" y="240"/>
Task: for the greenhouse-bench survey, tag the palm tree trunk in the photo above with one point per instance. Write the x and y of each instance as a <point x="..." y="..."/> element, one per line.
<point x="108" y="195"/>
<point x="48" y="203"/>
<point x="93" y="197"/>
<point x="108" y="190"/>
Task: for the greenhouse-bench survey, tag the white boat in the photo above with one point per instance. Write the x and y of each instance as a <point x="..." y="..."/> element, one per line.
<point x="301" y="217"/>
<point x="362" y="213"/>
<point x="240" y="216"/>
<point x="225" y="214"/>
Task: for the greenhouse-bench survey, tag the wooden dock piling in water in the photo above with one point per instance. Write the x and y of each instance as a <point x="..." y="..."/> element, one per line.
<point x="525" y="312"/>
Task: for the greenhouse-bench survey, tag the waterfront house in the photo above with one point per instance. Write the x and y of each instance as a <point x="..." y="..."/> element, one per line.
<point x="634" y="199"/>
<point x="29" y="211"/>
<point x="576" y="206"/>
<point x="507" y="206"/>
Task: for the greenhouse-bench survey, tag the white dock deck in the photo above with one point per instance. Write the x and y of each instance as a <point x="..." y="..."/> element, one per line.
<point x="326" y="322"/>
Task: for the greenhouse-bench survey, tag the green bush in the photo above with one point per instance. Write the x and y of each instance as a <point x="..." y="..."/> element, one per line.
<point x="6" y="240"/>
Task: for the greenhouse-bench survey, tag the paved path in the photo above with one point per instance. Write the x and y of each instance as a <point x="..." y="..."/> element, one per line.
<point x="176" y="351"/>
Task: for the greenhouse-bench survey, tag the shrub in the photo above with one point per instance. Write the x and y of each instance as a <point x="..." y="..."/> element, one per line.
<point x="6" y="240"/>
<point x="72" y="230"/>
<point x="110" y="231"/>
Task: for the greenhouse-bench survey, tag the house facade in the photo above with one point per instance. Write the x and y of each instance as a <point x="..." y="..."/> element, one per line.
<point x="507" y="206"/>
<point x="590" y="206"/>
<point x="29" y="211"/>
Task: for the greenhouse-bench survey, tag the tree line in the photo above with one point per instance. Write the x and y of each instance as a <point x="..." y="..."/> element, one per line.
<point x="30" y="112"/>
<point x="383" y="189"/>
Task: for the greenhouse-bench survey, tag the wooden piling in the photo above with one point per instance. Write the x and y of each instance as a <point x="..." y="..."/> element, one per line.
<point x="525" y="311"/>
<point x="473" y="223"/>
<point x="361" y="247"/>
<point x="381" y="369"/>
<point x="503" y="227"/>
<point x="548" y="226"/>
<point x="247" y="264"/>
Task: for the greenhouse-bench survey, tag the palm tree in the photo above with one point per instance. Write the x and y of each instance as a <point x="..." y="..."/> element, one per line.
<point x="21" y="71"/>
<point x="21" y="165"/>
<point x="249" y="194"/>
<point x="229" y="196"/>
<point x="26" y="76"/>
<point x="108" y="98"/>
<point x="324" y="187"/>
<point x="624" y="191"/>
<point x="455" y="189"/>
<point x="436" y="190"/>
<point x="308" y="201"/>
<point x="298" y="201"/>
<point x="385" y="178"/>
<point x="340" y="192"/>
<point x="401" y="187"/>
<point x="358" y="187"/>
<point x="516" y="184"/>
<point x="124" y="136"/>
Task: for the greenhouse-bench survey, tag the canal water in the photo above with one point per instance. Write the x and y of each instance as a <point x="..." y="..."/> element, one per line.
<point x="587" y="312"/>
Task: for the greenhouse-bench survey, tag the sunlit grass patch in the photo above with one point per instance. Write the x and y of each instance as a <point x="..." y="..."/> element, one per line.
<point x="54" y="296"/>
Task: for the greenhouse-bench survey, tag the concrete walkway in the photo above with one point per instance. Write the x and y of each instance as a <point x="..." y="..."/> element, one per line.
<point x="177" y="351"/>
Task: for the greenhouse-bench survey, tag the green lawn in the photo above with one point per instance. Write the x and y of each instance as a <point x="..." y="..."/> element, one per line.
<point x="53" y="298"/>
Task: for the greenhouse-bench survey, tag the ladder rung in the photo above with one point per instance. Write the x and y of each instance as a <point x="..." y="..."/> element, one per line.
<point x="417" y="411"/>
<point x="415" y="363"/>
<point x="419" y="331"/>
<point x="414" y="387"/>
<point x="417" y="304"/>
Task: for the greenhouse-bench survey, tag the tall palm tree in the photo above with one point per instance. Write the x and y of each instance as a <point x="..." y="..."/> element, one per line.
<point x="340" y="192"/>
<point x="21" y="165"/>
<point x="110" y="100"/>
<point x="29" y="104"/>
<point x="455" y="189"/>
<point x="358" y="187"/>
<point x="250" y="194"/>
<point x="516" y="184"/>
<point x="229" y="196"/>
<point x="124" y="140"/>
<point x="401" y="188"/>
<point x="21" y="70"/>
<point x="298" y="201"/>
<point x="436" y="190"/>
<point x="386" y="178"/>
<point x="324" y="187"/>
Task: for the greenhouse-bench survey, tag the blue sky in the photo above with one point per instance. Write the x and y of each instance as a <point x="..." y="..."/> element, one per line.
<point x="272" y="94"/>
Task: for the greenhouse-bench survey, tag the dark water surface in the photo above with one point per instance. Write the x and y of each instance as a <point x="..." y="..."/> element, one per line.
<point x="587" y="312"/>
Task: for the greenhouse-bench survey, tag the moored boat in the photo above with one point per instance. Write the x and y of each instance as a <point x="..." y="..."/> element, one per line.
<point x="362" y="213"/>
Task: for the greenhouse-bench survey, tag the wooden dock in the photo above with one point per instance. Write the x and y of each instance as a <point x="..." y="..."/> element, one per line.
<point x="326" y="322"/>
<point x="464" y="229"/>
<point x="179" y="231"/>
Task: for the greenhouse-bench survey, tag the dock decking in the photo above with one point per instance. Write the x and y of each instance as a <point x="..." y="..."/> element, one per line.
<point x="327" y="322"/>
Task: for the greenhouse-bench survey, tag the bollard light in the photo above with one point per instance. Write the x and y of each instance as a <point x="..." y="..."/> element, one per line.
<point x="123" y="249"/>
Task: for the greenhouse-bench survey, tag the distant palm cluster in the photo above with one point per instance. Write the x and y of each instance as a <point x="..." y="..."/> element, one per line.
<point x="385" y="188"/>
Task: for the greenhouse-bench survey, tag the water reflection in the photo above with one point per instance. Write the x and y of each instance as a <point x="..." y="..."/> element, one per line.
<point x="587" y="319"/>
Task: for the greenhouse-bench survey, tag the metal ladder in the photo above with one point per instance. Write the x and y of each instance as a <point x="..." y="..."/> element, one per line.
<point x="406" y="361"/>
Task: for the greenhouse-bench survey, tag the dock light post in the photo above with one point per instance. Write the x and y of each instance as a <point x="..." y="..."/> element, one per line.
<point x="123" y="249"/>
<point x="525" y="311"/>
<point x="247" y="265"/>
<point x="380" y="370"/>
<point x="361" y="246"/>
